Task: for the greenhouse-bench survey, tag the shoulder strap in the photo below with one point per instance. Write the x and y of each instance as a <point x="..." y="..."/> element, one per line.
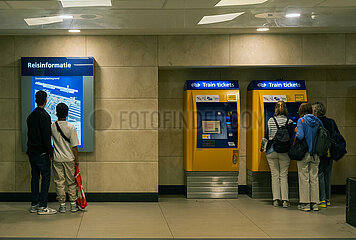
<point x="61" y="132"/>
<point x="275" y="122"/>
<point x="287" y="122"/>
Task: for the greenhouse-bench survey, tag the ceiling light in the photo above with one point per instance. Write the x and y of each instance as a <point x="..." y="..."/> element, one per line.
<point x="73" y="30"/>
<point x="238" y="2"/>
<point x="219" y="18"/>
<point x="86" y="3"/>
<point x="42" y="20"/>
<point x="292" y="15"/>
<point x="66" y="16"/>
<point x="262" y="29"/>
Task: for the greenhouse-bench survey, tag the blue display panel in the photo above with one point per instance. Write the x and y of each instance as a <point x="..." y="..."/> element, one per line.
<point x="217" y="125"/>
<point x="66" y="80"/>
<point x="276" y="85"/>
<point x="62" y="89"/>
<point x="211" y="85"/>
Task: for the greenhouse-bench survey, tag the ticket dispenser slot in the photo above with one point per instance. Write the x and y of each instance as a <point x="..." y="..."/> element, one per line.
<point x="211" y="139"/>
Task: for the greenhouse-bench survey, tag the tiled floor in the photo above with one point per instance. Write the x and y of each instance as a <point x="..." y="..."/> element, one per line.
<point x="177" y="217"/>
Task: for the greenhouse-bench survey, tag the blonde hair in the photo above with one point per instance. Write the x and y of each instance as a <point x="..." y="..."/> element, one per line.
<point x="281" y="109"/>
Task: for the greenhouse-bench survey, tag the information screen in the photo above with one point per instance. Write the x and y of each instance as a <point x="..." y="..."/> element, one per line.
<point x="62" y="89"/>
<point x="65" y="80"/>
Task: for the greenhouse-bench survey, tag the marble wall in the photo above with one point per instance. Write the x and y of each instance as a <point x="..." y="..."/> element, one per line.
<point x="134" y="150"/>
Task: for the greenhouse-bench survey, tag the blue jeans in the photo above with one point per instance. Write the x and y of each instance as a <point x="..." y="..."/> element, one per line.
<point x="325" y="171"/>
<point x="40" y="165"/>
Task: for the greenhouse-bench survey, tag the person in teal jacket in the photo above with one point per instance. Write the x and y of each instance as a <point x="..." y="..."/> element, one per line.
<point x="307" y="127"/>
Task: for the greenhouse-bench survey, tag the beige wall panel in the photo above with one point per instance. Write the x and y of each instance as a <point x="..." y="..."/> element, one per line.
<point x="126" y="114"/>
<point x="18" y="114"/>
<point x="171" y="82"/>
<point x="342" y="169"/>
<point x="8" y="115"/>
<point x="256" y="49"/>
<point x="122" y="177"/>
<point x="7" y="51"/>
<point x="17" y="82"/>
<point x="126" y="82"/>
<point x="19" y="155"/>
<point x="349" y="134"/>
<point x="7" y="176"/>
<point x="125" y="146"/>
<point x="7" y="146"/>
<point x="321" y="49"/>
<point x="315" y="88"/>
<point x="171" y="113"/>
<point x="170" y="142"/>
<point x="341" y="88"/>
<point x="342" y="110"/>
<point x="7" y="82"/>
<point x="171" y="171"/>
<point x="23" y="176"/>
<point x="350" y="48"/>
<point x="242" y="171"/>
<point x="49" y="46"/>
<point x="123" y="50"/>
<point x="194" y="50"/>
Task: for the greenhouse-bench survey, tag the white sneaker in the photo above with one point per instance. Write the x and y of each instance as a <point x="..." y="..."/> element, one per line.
<point x="73" y="207"/>
<point x="62" y="208"/>
<point x="286" y="204"/>
<point x="46" y="211"/>
<point x="276" y="203"/>
<point x="34" y="208"/>
<point x="315" y="207"/>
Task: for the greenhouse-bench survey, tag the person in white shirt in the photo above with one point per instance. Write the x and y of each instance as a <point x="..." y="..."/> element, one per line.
<point x="65" y="157"/>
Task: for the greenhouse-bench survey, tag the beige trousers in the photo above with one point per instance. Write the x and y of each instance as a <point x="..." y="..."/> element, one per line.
<point x="64" y="174"/>
<point x="279" y="164"/>
<point x="308" y="179"/>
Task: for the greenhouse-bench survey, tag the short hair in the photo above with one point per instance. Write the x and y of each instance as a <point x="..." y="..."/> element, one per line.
<point x="319" y="109"/>
<point x="62" y="110"/>
<point x="305" y="108"/>
<point x="281" y="109"/>
<point x="40" y="97"/>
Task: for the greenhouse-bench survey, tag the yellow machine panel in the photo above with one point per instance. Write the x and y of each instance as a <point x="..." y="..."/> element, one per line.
<point x="211" y="134"/>
<point x="261" y="99"/>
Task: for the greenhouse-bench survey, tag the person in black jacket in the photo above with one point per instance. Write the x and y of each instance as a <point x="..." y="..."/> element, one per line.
<point x="40" y="153"/>
<point x="326" y="163"/>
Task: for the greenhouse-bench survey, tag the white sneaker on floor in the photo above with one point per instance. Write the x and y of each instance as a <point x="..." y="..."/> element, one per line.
<point x="304" y="207"/>
<point x="286" y="204"/>
<point x="34" y="208"/>
<point x="62" y="208"/>
<point x="315" y="207"/>
<point x="46" y="211"/>
<point x="275" y="203"/>
<point x="73" y="207"/>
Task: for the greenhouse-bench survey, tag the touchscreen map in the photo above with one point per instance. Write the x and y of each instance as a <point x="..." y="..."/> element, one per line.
<point x="62" y="89"/>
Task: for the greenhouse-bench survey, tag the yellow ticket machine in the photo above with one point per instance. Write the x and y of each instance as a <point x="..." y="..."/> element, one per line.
<point x="261" y="99"/>
<point x="211" y="138"/>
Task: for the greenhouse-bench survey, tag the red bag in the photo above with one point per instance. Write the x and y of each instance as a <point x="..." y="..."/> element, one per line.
<point x="81" y="200"/>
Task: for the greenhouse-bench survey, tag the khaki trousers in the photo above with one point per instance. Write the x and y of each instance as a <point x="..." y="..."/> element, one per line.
<point x="64" y="174"/>
<point x="308" y="179"/>
<point x="279" y="164"/>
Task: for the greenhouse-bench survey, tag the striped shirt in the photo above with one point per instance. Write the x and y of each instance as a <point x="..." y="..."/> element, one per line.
<point x="272" y="127"/>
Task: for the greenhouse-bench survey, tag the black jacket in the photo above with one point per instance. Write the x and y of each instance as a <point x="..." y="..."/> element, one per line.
<point x="39" y="133"/>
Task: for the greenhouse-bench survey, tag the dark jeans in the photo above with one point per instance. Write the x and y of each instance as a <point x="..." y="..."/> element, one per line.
<point x="325" y="172"/>
<point x="40" y="165"/>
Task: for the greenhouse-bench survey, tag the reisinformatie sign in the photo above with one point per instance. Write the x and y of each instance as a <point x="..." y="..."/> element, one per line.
<point x="65" y="80"/>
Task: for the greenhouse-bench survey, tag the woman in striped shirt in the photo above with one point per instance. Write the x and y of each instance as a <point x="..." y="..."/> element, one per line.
<point x="278" y="162"/>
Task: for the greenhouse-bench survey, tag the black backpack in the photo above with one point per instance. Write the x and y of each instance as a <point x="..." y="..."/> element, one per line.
<point x="322" y="142"/>
<point x="338" y="146"/>
<point x="281" y="141"/>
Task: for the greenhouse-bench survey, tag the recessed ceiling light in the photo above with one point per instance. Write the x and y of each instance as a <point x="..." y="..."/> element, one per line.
<point x="219" y="18"/>
<point x="292" y="15"/>
<point x="66" y="16"/>
<point x="42" y="20"/>
<point x="86" y="3"/>
<point x="262" y="29"/>
<point x="73" y="30"/>
<point x="238" y="2"/>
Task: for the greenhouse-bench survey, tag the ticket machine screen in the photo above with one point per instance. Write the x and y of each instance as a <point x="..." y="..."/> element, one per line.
<point x="292" y="112"/>
<point x="217" y="125"/>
